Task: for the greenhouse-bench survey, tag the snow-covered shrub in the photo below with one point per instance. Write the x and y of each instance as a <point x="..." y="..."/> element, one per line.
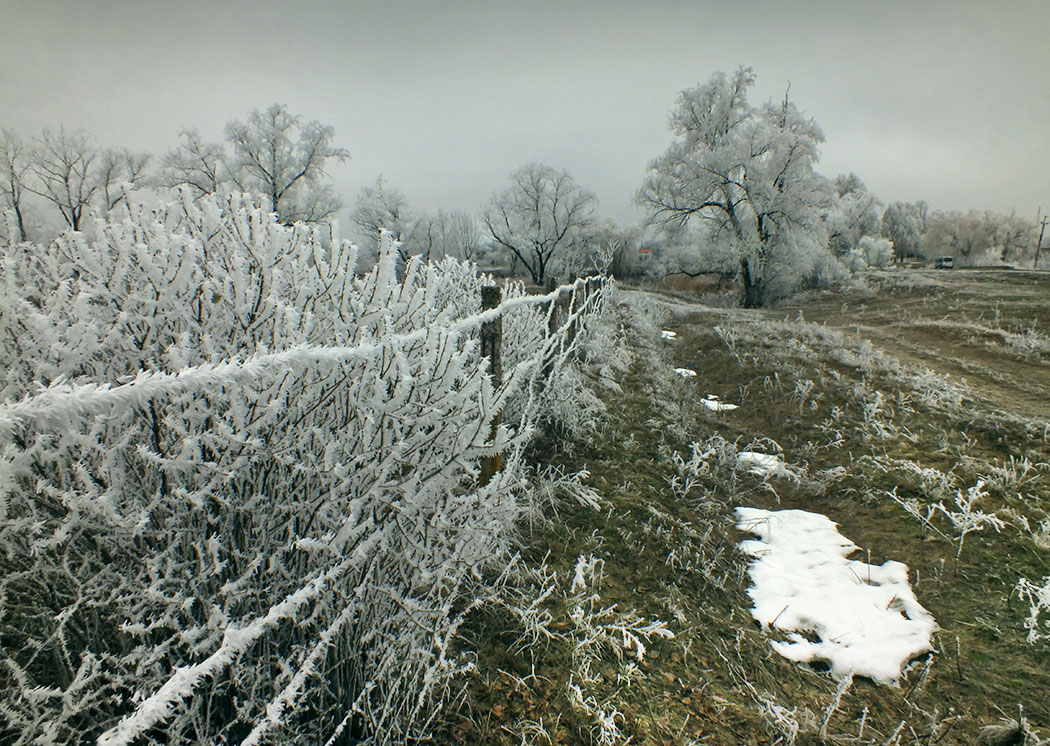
<point x="855" y="261"/>
<point x="824" y="272"/>
<point x="238" y="480"/>
<point x="877" y="251"/>
<point x="990" y="257"/>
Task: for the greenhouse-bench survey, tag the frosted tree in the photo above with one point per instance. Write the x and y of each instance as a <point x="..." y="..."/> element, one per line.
<point x="904" y="223"/>
<point x="980" y="238"/>
<point x="544" y="217"/>
<point x="194" y="163"/>
<point x="273" y="154"/>
<point x="283" y="158"/>
<point x="455" y="234"/>
<point x="745" y="174"/>
<point x="63" y="167"/>
<point x="14" y="169"/>
<point x="876" y="251"/>
<point x="380" y="207"/>
<point x="1013" y="238"/>
<point x="855" y="212"/>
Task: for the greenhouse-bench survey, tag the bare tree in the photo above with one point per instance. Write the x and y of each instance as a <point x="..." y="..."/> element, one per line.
<point x="277" y="154"/>
<point x="14" y="166"/>
<point x="119" y="167"/>
<point x="616" y="248"/>
<point x="195" y="164"/>
<point x="63" y="164"/>
<point x="381" y="207"/>
<point x="454" y="234"/>
<point x="544" y="216"/>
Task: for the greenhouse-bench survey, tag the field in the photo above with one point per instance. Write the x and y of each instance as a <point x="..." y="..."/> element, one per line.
<point x="629" y="622"/>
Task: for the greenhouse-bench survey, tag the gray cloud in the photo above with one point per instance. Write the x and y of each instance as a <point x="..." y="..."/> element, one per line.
<point x="946" y="101"/>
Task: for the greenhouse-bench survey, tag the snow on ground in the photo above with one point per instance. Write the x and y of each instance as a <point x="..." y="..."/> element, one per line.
<point x="859" y="619"/>
<point x="714" y="404"/>
<point x="763" y="464"/>
<point x="685" y="372"/>
<point x="668" y="334"/>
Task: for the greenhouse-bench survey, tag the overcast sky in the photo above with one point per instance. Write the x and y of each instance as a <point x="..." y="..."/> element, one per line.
<point x="947" y="101"/>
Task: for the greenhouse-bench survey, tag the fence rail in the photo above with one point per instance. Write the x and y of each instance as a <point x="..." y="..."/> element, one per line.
<point x="58" y="401"/>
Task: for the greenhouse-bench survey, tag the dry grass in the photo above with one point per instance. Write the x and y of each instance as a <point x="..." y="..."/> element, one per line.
<point x="865" y="397"/>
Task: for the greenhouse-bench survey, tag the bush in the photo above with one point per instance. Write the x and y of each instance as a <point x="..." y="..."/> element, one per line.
<point x="239" y="481"/>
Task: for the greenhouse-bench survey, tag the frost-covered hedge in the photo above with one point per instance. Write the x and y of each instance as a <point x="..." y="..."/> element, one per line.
<point x="239" y="494"/>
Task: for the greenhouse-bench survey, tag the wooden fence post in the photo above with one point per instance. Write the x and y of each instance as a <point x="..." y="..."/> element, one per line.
<point x="572" y="306"/>
<point x="553" y="322"/>
<point x="491" y="342"/>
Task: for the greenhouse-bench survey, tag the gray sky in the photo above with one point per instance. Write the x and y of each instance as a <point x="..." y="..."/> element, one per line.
<point x="947" y="101"/>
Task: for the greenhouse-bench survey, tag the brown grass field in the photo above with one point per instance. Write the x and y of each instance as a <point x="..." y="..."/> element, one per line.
<point x="916" y="387"/>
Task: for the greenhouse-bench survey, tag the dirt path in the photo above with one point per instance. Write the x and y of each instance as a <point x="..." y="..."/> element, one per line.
<point x="991" y="330"/>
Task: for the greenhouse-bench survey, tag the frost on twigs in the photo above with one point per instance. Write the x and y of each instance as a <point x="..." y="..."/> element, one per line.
<point x="597" y="626"/>
<point x="965" y="520"/>
<point x="709" y="461"/>
<point x="239" y="478"/>
<point x="1038" y="598"/>
<point x="551" y="483"/>
<point x="857" y="618"/>
<point x="765" y="465"/>
<point x="599" y="629"/>
<point x="1010" y="732"/>
<point x="603" y="638"/>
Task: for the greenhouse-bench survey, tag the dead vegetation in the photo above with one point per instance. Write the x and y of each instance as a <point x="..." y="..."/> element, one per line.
<point x="629" y="622"/>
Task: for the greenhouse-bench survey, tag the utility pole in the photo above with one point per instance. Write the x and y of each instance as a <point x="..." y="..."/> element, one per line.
<point x="1039" y="243"/>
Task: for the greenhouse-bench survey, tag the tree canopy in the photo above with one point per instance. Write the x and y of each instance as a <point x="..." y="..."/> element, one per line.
<point x="744" y="173"/>
<point x="273" y="153"/>
<point x="542" y="217"/>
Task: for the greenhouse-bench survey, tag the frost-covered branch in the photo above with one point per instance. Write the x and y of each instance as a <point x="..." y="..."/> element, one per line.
<point x="230" y="455"/>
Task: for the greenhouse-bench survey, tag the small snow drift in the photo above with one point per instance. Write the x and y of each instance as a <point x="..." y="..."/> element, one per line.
<point x="685" y="372"/>
<point x="866" y="617"/>
<point x="668" y="334"/>
<point x="763" y="464"/>
<point x="713" y="403"/>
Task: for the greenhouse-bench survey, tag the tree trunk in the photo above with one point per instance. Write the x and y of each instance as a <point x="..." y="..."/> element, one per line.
<point x="22" y="225"/>
<point x="754" y="288"/>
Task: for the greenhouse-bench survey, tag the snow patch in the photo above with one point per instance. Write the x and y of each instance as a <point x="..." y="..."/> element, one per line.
<point x="685" y="372"/>
<point x="713" y="403"/>
<point x="764" y="464"/>
<point x="865" y="617"/>
<point x="668" y="334"/>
